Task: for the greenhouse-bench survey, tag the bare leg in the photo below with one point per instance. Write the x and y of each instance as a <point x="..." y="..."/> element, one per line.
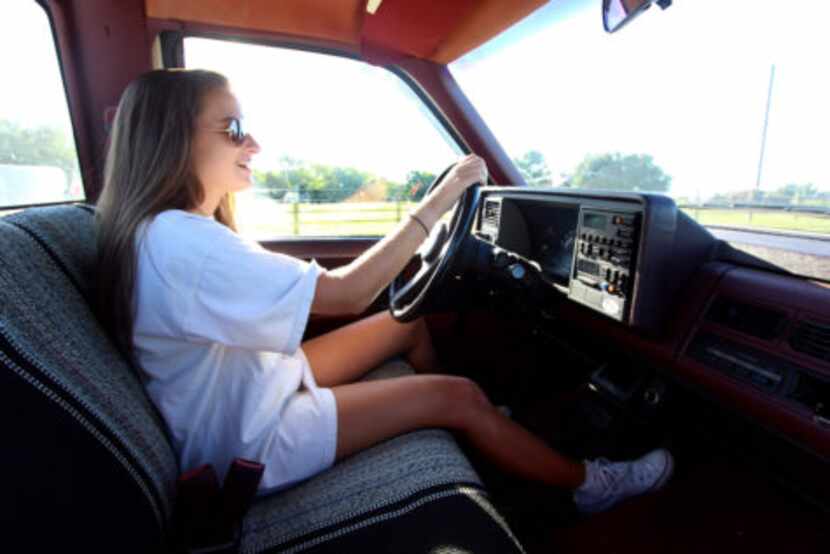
<point x="345" y="354"/>
<point x="370" y="412"/>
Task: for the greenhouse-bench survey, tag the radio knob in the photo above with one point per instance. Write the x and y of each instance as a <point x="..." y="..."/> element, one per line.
<point x="517" y="271"/>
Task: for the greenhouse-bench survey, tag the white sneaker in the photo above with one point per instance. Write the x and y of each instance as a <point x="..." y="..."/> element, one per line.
<point x="607" y="483"/>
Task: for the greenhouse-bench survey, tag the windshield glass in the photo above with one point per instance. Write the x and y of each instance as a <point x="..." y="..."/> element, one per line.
<point x="725" y="106"/>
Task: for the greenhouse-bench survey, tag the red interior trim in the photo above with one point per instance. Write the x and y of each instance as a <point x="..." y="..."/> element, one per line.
<point x="414" y="28"/>
<point x="103" y="46"/>
<point x="254" y="36"/>
<point x="57" y="14"/>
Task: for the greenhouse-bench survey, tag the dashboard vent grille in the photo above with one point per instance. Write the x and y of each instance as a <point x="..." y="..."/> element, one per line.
<point x="756" y="321"/>
<point x="492" y="210"/>
<point x="812" y="338"/>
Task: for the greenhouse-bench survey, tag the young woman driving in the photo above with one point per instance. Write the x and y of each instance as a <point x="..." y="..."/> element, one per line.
<point x="215" y="322"/>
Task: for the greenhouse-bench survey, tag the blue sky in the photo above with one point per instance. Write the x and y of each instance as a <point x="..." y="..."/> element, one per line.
<point x="687" y="85"/>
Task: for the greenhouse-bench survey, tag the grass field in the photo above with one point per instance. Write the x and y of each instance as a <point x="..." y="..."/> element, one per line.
<point x="762" y="219"/>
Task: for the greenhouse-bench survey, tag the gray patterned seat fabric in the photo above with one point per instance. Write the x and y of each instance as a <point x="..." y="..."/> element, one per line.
<point x="84" y="431"/>
<point x="379" y="484"/>
<point x="92" y="463"/>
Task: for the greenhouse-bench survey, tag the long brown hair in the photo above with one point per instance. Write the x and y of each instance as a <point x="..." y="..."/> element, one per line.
<point x="148" y="170"/>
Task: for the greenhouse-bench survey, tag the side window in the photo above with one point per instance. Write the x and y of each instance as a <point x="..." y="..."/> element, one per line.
<point x="38" y="159"/>
<point x="347" y="148"/>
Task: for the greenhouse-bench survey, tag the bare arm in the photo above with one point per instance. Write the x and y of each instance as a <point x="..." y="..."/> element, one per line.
<point x="350" y="289"/>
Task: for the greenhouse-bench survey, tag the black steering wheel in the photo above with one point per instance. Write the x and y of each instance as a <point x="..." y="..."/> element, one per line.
<point x="408" y="296"/>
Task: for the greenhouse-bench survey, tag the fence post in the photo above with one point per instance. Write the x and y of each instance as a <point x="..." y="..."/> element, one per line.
<point x="295" y="216"/>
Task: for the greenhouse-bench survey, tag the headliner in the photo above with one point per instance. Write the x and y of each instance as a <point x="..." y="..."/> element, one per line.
<point x="437" y="31"/>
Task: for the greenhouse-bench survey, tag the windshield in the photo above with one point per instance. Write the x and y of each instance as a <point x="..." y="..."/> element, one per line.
<point x="724" y="106"/>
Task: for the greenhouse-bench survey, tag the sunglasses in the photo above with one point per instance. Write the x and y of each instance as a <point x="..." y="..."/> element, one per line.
<point x="235" y="131"/>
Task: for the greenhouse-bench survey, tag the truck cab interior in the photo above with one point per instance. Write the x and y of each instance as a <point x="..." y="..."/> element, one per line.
<point x="647" y="266"/>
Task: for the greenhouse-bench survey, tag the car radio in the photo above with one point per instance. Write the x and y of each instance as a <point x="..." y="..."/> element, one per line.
<point x="616" y="254"/>
<point x="604" y="261"/>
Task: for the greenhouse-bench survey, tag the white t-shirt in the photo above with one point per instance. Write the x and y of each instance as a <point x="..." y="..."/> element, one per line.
<point x="217" y="334"/>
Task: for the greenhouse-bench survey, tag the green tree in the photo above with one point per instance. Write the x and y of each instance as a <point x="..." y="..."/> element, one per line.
<point x="275" y="183"/>
<point x="45" y="146"/>
<point x="346" y="181"/>
<point x="298" y="180"/>
<point x="396" y="191"/>
<point x="416" y="185"/>
<point x="796" y="192"/>
<point x="311" y="182"/>
<point x="534" y="169"/>
<point x="617" y="171"/>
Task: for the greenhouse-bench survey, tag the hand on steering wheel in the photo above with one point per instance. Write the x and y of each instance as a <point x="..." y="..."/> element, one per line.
<point x="448" y="187"/>
<point x="407" y="296"/>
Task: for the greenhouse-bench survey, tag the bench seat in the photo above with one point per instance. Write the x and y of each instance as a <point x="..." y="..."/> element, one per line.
<point x="88" y="466"/>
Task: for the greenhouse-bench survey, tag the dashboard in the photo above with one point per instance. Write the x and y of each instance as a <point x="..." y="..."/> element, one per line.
<point x="608" y="253"/>
<point x="637" y="272"/>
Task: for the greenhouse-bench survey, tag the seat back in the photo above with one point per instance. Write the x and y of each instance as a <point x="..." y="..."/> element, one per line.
<point x="87" y="464"/>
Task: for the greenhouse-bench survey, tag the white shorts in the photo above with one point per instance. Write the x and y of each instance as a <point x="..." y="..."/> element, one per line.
<point x="306" y="439"/>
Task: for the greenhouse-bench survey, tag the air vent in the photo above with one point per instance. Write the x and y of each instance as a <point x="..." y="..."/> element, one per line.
<point x="492" y="210"/>
<point x="756" y="321"/>
<point x="812" y="338"/>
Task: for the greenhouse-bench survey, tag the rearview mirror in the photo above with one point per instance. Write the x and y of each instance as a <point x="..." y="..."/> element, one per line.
<point x="616" y="13"/>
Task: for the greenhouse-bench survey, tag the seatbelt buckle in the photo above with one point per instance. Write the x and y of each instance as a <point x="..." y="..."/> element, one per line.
<point x="238" y="492"/>
<point x="209" y="519"/>
<point x="197" y="500"/>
